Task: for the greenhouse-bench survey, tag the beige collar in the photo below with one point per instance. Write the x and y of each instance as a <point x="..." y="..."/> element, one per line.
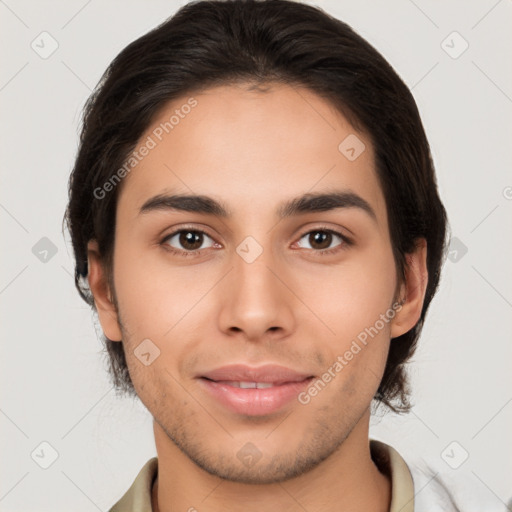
<point x="387" y="459"/>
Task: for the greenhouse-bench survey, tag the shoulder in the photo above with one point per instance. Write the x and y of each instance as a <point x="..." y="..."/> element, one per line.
<point x="439" y="490"/>
<point x="422" y="486"/>
<point x="138" y="497"/>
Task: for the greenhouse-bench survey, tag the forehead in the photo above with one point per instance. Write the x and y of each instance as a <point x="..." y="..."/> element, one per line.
<point x="252" y="149"/>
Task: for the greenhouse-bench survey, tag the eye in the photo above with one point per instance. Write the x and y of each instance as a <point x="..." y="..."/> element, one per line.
<point x="189" y="241"/>
<point x="320" y="240"/>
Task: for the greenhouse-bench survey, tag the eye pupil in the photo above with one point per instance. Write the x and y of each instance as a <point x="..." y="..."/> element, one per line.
<point x="187" y="240"/>
<point x="320" y="237"/>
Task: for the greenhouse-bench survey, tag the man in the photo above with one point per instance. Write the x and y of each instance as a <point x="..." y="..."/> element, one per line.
<point x="255" y="219"/>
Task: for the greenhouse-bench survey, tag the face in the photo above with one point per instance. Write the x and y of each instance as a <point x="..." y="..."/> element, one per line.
<point x="254" y="287"/>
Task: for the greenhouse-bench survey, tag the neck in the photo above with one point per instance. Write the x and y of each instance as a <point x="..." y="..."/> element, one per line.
<point x="346" y="480"/>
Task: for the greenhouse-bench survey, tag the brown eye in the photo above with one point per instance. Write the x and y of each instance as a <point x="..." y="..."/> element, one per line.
<point x="321" y="240"/>
<point x="187" y="240"/>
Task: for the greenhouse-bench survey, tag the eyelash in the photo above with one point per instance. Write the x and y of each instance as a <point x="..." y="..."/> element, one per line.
<point x="346" y="242"/>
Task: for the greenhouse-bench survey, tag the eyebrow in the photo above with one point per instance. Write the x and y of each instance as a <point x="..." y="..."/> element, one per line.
<point x="307" y="203"/>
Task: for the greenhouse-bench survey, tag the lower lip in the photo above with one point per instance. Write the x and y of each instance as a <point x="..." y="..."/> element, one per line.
<point x="254" y="401"/>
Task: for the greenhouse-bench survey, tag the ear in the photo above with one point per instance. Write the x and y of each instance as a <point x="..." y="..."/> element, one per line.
<point x="412" y="291"/>
<point x="100" y="289"/>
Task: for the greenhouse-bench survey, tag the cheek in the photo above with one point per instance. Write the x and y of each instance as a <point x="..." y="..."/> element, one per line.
<point x="351" y="297"/>
<point x="158" y="301"/>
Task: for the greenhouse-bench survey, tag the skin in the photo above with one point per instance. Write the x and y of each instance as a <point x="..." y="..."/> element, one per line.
<point x="292" y="306"/>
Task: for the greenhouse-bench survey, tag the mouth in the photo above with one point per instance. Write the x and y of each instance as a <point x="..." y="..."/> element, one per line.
<point x="249" y="385"/>
<point x="254" y="398"/>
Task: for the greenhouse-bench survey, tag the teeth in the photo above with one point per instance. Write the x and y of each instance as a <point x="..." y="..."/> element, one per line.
<point x="251" y="385"/>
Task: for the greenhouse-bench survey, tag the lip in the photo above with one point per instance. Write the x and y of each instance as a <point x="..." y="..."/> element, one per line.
<point x="266" y="373"/>
<point x="254" y="401"/>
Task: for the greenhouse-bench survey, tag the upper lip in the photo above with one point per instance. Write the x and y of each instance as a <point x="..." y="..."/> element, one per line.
<point x="267" y="373"/>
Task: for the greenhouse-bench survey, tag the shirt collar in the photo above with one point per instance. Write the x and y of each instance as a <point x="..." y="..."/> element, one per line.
<point x="387" y="459"/>
<point x="390" y="462"/>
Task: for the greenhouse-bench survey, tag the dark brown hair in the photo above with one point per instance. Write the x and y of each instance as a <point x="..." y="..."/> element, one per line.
<point x="256" y="42"/>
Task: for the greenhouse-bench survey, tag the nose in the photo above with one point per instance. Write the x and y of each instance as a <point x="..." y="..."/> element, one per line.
<point x="255" y="300"/>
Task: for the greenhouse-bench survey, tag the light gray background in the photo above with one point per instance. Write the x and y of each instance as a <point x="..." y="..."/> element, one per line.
<point x="53" y="379"/>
